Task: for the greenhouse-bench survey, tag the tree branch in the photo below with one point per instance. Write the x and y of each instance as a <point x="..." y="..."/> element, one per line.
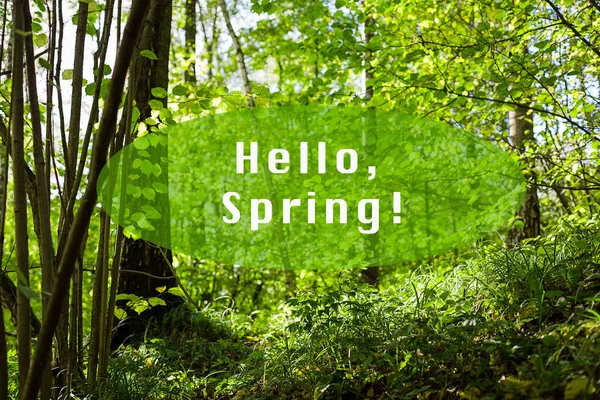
<point x="573" y="28"/>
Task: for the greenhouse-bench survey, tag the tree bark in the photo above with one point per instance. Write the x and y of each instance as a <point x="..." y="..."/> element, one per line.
<point x="190" y="40"/>
<point x="3" y="359"/>
<point x="43" y="199"/>
<point x="99" y="299"/>
<point x="239" y="55"/>
<point x="3" y="193"/>
<point x="20" y="195"/>
<point x="521" y="129"/>
<point x="138" y="255"/>
<point x="8" y="298"/>
<point x="371" y="274"/>
<point x="76" y="95"/>
<point x="210" y="43"/>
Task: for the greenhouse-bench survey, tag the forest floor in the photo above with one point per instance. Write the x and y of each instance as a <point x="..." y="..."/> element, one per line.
<point x="510" y="324"/>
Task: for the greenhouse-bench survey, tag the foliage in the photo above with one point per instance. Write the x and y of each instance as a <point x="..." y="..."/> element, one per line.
<point x="482" y="321"/>
<point x="468" y="332"/>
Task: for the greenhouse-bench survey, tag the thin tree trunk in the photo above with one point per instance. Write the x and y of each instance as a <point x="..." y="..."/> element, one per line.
<point x="99" y="300"/>
<point x="50" y="87"/>
<point x="3" y="359"/>
<point x="521" y="129"/>
<point x="62" y="333"/>
<point x="210" y="43"/>
<point x="43" y="199"/>
<point x="123" y="137"/>
<point x="102" y="50"/>
<point x="100" y="281"/>
<point x="371" y="274"/>
<point x="190" y="40"/>
<point x="239" y="55"/>
<point x="76" y="95"/>
<point x="3" y="196"/>
<point x="88" y="201"/>
<point x="20" y="195"/>
<point x="290" y="276"/>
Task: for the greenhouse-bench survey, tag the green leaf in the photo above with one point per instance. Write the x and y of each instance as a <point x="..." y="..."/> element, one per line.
<point x="40" y="40"/>
<point x="141" y="143"/>
<point x="156" y="170"/>
<point x="146" y="167"/>
<point x="90" y="89"/>
<point x="150" y="212"/>
<point x="155" y="301"/>
<point x="578" y="388"/>
<point x="127" y="296"/>
<point x="137" y="216"/>
<point x="28" y="292"/>
<point x="179" y="90"/>
<point x="159" y="93"/>
<point x="120" y="313"/>
<point x="160" y="187"/>
<point x="44" y="64"/>
<point x="67" y="74"/>
<point x="176" y="291"/>
<point x="153" y="139"/>
<point x="149" y="54"/>
<point x="22" y="33"/>
<point x="148" y="193"/>
<point x="90" y="29"/>
<point x="140" y="307"/>
<point x="145" y="224"/>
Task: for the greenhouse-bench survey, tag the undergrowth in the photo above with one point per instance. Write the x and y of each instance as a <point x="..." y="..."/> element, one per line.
<point x="521" y="323"/>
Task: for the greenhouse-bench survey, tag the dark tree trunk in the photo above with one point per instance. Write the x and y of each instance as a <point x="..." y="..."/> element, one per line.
<point x="8" y="300"/>
<point x="190" y="40"/>
<point x="146" y="260"/>
<point x="371" y="274"/>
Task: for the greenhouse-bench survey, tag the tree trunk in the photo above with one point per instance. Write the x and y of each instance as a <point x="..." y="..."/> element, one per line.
<point x="210" y="43"/>
<point x="138" y="255"/>
<point x="8" y="298"/>
<point x="290" y="275"/>
<point x="3" y="359"/>
<point x="3" y="193"/>
<point x="190" y="40"/>
<point x="371" y="274"/>
<point x="43" y="199"/>
<point x="239" y="55"/>
<point x="521" y="129"/>
<point x="20" y="195"/>
<point x="76" y="95"/>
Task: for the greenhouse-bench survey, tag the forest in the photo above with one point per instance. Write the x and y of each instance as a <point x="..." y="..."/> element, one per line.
<point x="328" y="199"/>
